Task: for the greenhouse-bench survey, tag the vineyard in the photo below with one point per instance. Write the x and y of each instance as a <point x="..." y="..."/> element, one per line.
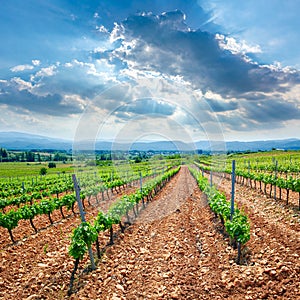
<point x="194" y="228"/>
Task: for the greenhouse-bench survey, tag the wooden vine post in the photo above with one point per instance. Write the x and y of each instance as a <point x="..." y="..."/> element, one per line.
<point x="82" y="215"/>
<point x="141" y="188"/>
<point x="232" y="206"/>
<point x="275" y="177"/>
<point x="249" y="168"/>
<point x="232" y="190"/>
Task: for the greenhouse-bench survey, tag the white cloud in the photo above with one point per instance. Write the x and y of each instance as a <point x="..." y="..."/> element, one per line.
<point x="22" y="84"/>
<point x="235" y="47"/>
<point x="36" y="62"/>
<point x="21" y="68"/>
<point x="102" y="29"/>
<point x="75" y="101"/>
<point x="293" y="95"/>
<point x="117" y="33"/>
<point x="99" y="68"/>
<point x="46" y="72"/>
<point x="68" y="65"/>
<point x="212" y="95"/>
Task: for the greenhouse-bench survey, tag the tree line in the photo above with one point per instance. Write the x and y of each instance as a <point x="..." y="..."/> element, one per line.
<point x="33" y="156"/>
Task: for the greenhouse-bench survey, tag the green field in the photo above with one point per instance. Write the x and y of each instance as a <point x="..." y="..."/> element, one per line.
<point x="21" y="169"/>
<point x="24" y="169"/>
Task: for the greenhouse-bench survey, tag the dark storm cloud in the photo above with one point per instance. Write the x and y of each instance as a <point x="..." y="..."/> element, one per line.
<point x="50" y="104"/>
<point x="260" y="115"/>
<point x="219" y="106"/>
<point x="272" y="110"/>
<point x="197" y="56"/>
<point x="165" y="44"/>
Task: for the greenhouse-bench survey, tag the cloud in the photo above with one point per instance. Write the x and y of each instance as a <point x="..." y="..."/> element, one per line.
<point x="148" y="107"/>
<point x="36" y="62"/>
<point x="260" y="115"/>
<point x="46" y="72"/>
<point x="21" y="68"/>
<point x="102" y="29"/>
<point x="18" y="96"/>
<point x="49" y="104"/>
<point x="219" y="106"/>
<point x="202" y="77"/>
<point x="271" y="110"/>
<point x="166" y="44"/>
<point x="21" y="84"/>
<point x="86" y="79"/>
<point x="242" y="90"/>
<point x="271" y="24"/>
<point x="231" y="44"/>
<point x="59" y="89"/>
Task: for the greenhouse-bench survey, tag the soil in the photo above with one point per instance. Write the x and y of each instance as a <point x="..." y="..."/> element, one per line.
<point x="175" y="249"/>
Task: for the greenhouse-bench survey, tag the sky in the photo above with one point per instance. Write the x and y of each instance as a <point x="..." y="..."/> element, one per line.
<point x="152" y="69"/>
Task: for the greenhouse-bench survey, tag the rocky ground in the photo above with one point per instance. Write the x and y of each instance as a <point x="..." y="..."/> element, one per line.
<point x="38" y="265"/>
<point x="175" y="249"/>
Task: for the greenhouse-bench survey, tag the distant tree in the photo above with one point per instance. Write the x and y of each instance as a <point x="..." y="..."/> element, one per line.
<point x="137" y="159"/>
<point x="43" y="171"/>
<point x="17" y="157"/>
<point x="29" y="156"/>
<point x="60" y="156"/>
<point x="23" y="156"/>
<point x="57" y="157"/>
<point x="51" y="165"/>
<point x="3" y="153"/>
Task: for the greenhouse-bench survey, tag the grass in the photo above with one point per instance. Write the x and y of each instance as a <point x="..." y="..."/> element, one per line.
<point x="24" y="169"/>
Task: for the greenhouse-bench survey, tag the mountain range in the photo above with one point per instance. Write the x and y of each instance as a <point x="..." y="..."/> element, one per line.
<point x="25" y="141"/>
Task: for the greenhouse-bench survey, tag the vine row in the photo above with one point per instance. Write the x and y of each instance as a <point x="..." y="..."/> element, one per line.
<point x="237" y="225"/>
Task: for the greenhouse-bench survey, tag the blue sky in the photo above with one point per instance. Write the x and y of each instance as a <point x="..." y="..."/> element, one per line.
<point x="163" y="69"/>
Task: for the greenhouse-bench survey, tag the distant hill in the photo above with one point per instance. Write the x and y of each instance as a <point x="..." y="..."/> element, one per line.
<point x="287" y="144"/>
<point x="25" y="141"/>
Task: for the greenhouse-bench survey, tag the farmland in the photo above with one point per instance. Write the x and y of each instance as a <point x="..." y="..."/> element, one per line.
<point x="159" y="229"/>
<point x="24" y="169"/>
